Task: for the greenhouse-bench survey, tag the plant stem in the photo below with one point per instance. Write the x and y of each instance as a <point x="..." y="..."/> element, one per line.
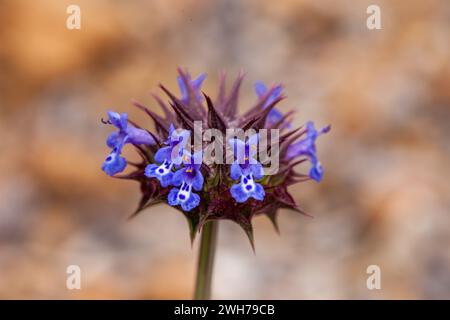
<point x="206" y="261"/>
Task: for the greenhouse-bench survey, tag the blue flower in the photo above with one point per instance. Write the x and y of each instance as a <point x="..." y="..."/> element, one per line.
<point x="274" y="116"/>
<point x="247" y="169"/>
<point x="307" y="147"/>
<point x="114" y="163"/>
<point x="195" y="84"/>
<point x="188" y="178"/>
<point x="167" y="157"/>
<point x="127" y="133"/>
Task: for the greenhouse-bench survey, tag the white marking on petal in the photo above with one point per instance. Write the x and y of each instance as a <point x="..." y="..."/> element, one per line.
<point x="248" y="184"/>
<point x="164" y="168"/>
<point x="185" y="192"/>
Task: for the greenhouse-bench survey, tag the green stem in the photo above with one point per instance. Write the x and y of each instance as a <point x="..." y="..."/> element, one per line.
<point x="206" y="261"/>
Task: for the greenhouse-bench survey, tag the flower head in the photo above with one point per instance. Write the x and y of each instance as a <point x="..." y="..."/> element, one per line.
<point x="170" y="172"/>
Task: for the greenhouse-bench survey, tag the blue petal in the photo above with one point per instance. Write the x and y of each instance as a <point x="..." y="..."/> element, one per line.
<point x="307" y="145"/>
<point x="118" y="120"/>
<point x="191" y="202"/>
<point x="178" y="177"/>
<point x="166" y="180"/>
<point x="150" y="170"/>
<point x="316" y="172"/>
<point x="114" y="163"/>
<point x="163" y="154"/>
<point x="257" y="171"/>
<point x="258" y="193"/>
<point x="139" y="136"/>
<point x="113" y="139"/>
<point x="197" y="182"/>
<point x="114" y="118"/>
<point x="307" y="148"/>
<point x="260" y="89"/>
<point x="172" y="197"/>
<point x="235" y="171"/>
<point x="238" y="193"/>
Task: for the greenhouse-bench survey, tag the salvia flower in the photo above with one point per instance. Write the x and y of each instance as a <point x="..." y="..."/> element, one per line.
<point x="173" y="169"/>
<point x="246" y="169"/>
<point x="127" y="133"/>
<point x="168" y="156"/>
<point x="188" y="178"/>
<point x="307" y="147"/>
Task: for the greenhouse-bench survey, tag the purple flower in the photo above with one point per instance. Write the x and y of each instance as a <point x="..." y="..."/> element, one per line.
<point x="203" y="192"/>
<point x="114" y="163"/>
<point x="188" y="178"/>
<point x="307" y="147"/>
<point x="127" y="133"/>
<point x="246" y="168"/>
<point x="167" y="157"/>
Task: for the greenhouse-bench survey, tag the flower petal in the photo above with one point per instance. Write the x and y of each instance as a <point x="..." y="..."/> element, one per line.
<point x="235" y="171"/>
<point x="197" y="181"/>
<point x="260" y="89"/>
<point x="172" y="197"/>
<point x="114" y="163"/>
<point x="163" y="154"/>
<point x="238" y="193"/>
<point x="258" y="192"/>
<point x="191" y="202"/>
<point x="150" y="170"/>
<point x="139" y="136"/>
<point x="316" y="172"/>
<point x="162" y="172"/>
<point x="257" y="170"/>
<point x="178" y="177"/>
<point x="307" y="147"/>
<point x="166" y="180"/>
<point x="113" y="139"/>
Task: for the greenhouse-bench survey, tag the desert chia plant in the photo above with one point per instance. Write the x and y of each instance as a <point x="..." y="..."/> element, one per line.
<point x="173" y="168"/>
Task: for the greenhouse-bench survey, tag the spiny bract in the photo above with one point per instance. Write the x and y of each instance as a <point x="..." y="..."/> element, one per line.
<point x="203" y="192"/>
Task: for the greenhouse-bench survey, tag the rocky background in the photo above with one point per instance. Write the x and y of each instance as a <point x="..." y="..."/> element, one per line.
<point x="384" y="199"/>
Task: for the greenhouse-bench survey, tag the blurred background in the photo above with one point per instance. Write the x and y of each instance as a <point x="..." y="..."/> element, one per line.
<point x="384" y="199"/>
